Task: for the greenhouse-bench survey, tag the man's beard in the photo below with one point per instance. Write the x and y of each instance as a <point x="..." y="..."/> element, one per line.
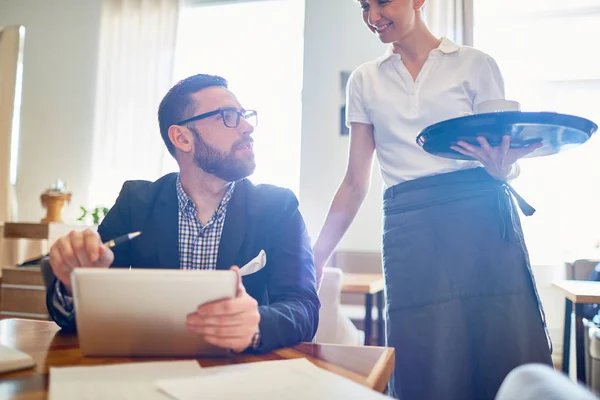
<point x="222" y="165"/>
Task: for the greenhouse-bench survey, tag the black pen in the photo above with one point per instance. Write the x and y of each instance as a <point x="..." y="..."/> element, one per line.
<point x="122" y="239"/>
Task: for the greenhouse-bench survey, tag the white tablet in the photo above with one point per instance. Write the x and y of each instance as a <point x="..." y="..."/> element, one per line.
<point x="142" y="312"/>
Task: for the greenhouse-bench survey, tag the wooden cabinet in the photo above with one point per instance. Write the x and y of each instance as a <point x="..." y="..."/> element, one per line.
<point x="22" y="290"/>
<point x="22" y="293"/>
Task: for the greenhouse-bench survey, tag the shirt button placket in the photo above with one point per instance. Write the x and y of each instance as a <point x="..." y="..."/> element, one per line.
<point x="413" y="102"/>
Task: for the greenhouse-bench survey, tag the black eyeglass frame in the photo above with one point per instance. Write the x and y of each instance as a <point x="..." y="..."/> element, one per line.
<point x="246" y="114"/>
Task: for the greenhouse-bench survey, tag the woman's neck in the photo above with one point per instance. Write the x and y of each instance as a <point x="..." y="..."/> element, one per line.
<point x="416" y="45"/>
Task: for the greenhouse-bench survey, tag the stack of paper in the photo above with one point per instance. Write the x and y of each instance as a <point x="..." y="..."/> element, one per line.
<point x="297" y="379"/>
<point x="184" y="380"/>
<point x="119" y="381"/>
<point x="13" y="360"/>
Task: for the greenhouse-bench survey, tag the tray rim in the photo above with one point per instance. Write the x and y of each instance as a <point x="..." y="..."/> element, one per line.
<point x="426" y="133"/>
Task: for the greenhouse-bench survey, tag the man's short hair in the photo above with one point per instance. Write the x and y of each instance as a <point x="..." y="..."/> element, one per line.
<point x="178" y="105"/>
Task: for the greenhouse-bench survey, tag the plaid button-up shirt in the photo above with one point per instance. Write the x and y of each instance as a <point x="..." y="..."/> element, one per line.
<point x="199" y="244"/>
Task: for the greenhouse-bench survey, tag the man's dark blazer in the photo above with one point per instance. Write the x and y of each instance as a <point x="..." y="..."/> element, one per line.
<point x="261" y="217"/>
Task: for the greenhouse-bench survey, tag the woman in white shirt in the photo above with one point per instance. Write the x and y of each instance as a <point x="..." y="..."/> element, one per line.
<point x="462" y="308"/>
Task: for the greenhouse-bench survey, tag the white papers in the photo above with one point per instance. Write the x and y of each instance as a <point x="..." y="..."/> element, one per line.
<point x="13" y="360"/>
<point x="184" y="380"/>
<point x="297" y="379"/>
<point x="255" y="265"/>
<point x="119" y="381"/>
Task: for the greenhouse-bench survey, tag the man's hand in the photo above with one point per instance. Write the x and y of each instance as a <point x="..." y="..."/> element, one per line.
<point x="230" y="323"/>
<point x="78" y="249"/>
<point x="496" y="160"/>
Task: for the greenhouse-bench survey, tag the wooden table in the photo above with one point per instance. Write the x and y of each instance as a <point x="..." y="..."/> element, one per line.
<point x="368" y="284"/>
<point x="369" y="366"/>
<point x="577" y="293"/>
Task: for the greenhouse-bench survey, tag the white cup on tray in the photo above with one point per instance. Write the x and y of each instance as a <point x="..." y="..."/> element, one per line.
<point x="499" y="105"/>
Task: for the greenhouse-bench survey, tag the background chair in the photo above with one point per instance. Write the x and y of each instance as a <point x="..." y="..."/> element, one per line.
<point x="334" y="327"/>
<point x="354" y="304"/>
<point x="47" y="273"/>
<point x="580" y="270"/>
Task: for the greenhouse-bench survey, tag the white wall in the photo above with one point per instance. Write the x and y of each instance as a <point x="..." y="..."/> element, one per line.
<point x="335" y="40"/>
<point x="59" y="78"/>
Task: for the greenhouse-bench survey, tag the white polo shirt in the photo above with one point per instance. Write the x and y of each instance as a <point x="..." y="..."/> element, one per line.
<point x="383" y="93"/>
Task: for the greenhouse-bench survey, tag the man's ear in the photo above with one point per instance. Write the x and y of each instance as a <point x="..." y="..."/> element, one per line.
<point x="419" y="5"/>
<point x="181" y="138"/>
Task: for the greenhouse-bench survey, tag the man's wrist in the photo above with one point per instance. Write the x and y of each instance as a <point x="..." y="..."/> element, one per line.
<point x="66" y="290"/>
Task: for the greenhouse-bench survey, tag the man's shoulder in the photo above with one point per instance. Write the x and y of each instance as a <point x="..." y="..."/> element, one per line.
<point x="269" y="198"/>
<point x="143" y="189"/>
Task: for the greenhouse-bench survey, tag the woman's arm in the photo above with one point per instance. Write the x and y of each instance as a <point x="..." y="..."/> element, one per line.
<point x="349" y="196"/>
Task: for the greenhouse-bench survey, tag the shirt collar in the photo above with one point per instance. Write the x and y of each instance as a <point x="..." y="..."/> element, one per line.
<point x="446" y="46"/>
<point x="186" y="204"/>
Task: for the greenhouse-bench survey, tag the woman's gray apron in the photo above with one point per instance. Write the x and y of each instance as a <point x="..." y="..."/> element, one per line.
<point x="462" y="307"/>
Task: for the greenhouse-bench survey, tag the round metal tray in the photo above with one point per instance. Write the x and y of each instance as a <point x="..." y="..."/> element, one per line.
<point x="557" y="132"/>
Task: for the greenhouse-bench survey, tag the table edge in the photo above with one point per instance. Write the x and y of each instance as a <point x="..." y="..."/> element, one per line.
<point x="580" y="299"/>
<point x="381" y="372"/>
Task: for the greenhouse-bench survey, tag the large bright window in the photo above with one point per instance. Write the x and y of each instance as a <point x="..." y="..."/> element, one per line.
<point x="546" y="51"/>
<point x="258" y="47"/>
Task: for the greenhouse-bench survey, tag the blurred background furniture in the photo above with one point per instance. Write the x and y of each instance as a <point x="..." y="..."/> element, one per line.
<point x="577" y="293"/>
<point x="334" y="326"/>
<point x="23" y="288"/>
<point x="362" y="280"/>
<point x="368" y="285"/>
<point x="593" y="356"/>
<point x="580" y="270"/>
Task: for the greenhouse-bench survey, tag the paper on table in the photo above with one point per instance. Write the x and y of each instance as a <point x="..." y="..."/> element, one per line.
<point x="13" y="360"/>
<point x="116" y="382"/>
<point x="282" y="380"/>
<point x="255" y="265"/>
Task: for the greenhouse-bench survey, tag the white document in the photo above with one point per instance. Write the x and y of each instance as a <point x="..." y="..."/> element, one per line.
<point x="255" y="265"/>
<point x="13" y="360"/>
<point x="119" y="381"/>
<point x="297" y="379"/>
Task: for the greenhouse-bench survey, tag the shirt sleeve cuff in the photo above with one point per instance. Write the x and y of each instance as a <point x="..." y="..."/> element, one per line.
<point x="362" y="119"/>
<point x="62" y="301"/>
<point x="256" y="340"/>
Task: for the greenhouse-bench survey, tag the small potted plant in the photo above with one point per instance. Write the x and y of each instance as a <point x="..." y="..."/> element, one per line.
<point x="96" y="214"/>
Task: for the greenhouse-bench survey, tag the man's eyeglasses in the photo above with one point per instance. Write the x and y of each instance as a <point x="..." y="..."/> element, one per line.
<point x="231" y="117"/>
